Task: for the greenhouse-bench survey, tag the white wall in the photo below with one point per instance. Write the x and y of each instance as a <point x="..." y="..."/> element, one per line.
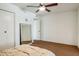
<point x="20" y="17"/>
<point x="60" y="27"/>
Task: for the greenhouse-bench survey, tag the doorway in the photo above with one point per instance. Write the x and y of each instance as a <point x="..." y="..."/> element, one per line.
<point x="25" y="33"/>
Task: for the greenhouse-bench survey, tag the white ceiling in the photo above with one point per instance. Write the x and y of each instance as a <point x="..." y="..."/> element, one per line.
<point x="59" y="8"/>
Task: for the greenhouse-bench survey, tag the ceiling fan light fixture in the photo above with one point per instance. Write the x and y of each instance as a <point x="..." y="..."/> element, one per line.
<point x="42" y="8"/>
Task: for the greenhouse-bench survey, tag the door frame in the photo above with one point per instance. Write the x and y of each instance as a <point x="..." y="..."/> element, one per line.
<point x="20" y="31"/>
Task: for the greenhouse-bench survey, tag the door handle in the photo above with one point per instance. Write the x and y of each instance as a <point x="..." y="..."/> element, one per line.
<point x="5" y="31"/>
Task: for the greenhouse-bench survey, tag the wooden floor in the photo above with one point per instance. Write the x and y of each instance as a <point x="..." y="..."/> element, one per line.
<point x="58" y="49"/>
<point x="25" y="42"/>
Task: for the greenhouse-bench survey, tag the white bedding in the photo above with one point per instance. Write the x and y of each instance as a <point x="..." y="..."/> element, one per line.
<point x="26" y="50"/>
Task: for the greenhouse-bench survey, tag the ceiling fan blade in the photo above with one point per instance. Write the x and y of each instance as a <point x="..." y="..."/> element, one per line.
<point x="47" y="10"/>
<point x="37" y="10"/>
<point x="52" y="4"/>
<point x="40" y="4"/>
<point x="32" y="6"/>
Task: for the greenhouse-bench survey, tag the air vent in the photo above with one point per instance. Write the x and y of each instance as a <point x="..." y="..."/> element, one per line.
<point x="26" y="19"/>
<point x="35" y="19"/>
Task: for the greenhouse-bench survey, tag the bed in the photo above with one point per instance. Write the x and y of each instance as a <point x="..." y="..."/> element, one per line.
<point x="26" y="50"/>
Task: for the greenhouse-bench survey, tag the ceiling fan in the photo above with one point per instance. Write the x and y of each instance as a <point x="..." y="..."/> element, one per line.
<point x="43" y="7"/>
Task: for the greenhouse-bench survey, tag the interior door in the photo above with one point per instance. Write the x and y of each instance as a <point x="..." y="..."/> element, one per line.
<point x="6" y="29"/>
<point x="36" y="29"/>
<point x="25" y="32"/>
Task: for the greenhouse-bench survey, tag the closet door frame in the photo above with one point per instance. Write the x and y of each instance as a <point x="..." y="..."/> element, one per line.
<point x="20" y="28"/>
<point x="13" y="22"/>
